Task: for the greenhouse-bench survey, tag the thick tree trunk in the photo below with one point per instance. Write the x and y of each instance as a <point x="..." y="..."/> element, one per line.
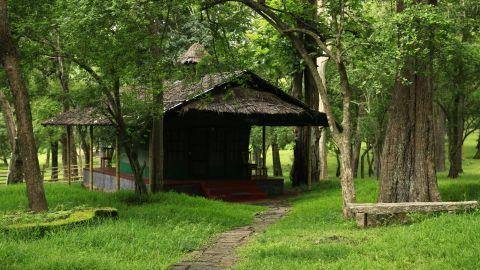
<point x="299" y="168"/>
<point x="55" y="169"/>
<point x="477" y="154"/>
<point x="312" y="100"/>
<point x="277" y="165"/>
<point x="408" y="157"/>
<point x="8" y="55"/>
<point x="439" y="115"/>
<point x="455" y="136"/>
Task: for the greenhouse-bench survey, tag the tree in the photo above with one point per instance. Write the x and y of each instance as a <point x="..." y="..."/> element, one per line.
<point x="281" y="19"/>
<point x="477" y="153"/>
<point x="10" y="61"/>
<point x="15" y="168"/>
<point x="456" y="72"/>
<point x="407" y="163"/>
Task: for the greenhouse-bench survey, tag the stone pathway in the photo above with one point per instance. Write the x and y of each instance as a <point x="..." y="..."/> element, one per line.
<point x="220" y="254"/>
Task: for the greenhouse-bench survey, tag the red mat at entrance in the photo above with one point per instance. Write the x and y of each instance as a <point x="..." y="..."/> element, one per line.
<point x="233" y="191"/>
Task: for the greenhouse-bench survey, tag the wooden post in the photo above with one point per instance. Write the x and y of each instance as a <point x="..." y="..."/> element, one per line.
<point x="309" y="157"/>
<point x="264" y="153"/>
<point x="69" y="154"/>
<point x="90" y="165"/>
<point x="117" y="161"/>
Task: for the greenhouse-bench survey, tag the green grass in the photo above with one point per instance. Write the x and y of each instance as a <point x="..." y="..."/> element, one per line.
<point x="315" y="236"/>
<point x="156" y="232"/>
<point x="149" y="234"/>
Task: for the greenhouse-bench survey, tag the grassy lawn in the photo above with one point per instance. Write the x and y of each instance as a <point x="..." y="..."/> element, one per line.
<point x="152" y="235"/>
<point x="157" y="233"/>
<point x="315" y="236"/>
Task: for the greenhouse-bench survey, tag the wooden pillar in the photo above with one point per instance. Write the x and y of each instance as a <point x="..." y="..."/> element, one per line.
<point x="117" y="161"/>
<point x="69" y="154"/>
<point x="264" y="152"/>
<point x="90" y="165"/>
<point x="309" y="157"/>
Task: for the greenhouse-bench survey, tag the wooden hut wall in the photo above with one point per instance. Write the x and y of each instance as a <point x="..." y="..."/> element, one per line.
<point x="203" y="150"/>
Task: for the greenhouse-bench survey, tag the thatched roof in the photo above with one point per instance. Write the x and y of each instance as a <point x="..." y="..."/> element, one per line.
<point x="241" y="94"/>
<point x="179" y="92"/>
<point x="193" y="55"/>
<point x="79" y="117"/>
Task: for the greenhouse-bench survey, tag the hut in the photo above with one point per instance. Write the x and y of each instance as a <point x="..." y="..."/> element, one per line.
<point x="207" y="128"/>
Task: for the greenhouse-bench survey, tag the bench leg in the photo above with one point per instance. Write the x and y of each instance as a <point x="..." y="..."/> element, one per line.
<point x="361" y="219"/>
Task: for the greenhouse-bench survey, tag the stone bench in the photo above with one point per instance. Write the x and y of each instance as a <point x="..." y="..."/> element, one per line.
<point x="374" y="214"/>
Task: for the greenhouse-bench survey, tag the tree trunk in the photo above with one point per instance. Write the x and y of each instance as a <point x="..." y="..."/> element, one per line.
<point x="299" y="168"/>
<point x="132" y="155"/>
<point x="377" y="153"/>
<point x="337" y="156"/>
<point x="5" y="161"/>
<point x="257" y="156"/>
<point x="277" y="165"/>
<point x="312" y="100"/>
<point x="298" y="176"/>
<point x="322" y="144"/>
<point x="455" y="136"/>
<point x="477" y="154"/>
<point x="156" y="172"/>
<point x="64" y="78"/>
<point x="82" y="131"/>
<point x="370" y="165"/>
<point x="439" y="116"/>
<point x="8" y="54"/>
<point x="55" y="169"/>
<point x="73" y="154"/>
<point x="47" y="160"/>
<point x="408" y="157"/>
<point x="357" y="141"/>
<point x="128" y="143"/>
<point x="362" y="167"/>
<point x="15" y="168"/>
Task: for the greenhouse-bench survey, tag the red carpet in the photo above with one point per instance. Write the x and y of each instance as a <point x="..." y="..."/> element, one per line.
<point x="233" y="191"/>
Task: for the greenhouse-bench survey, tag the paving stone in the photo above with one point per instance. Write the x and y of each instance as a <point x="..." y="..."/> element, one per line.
<point x="220" y="254"/>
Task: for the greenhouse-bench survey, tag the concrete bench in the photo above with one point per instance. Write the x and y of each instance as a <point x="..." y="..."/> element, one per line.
<point x="374" y="214"/>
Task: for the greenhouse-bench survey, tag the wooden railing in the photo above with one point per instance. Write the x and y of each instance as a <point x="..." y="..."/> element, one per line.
<point x="3" y="176"/>
<point x="60" y="174"/>
<point x="52" y="174"/>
